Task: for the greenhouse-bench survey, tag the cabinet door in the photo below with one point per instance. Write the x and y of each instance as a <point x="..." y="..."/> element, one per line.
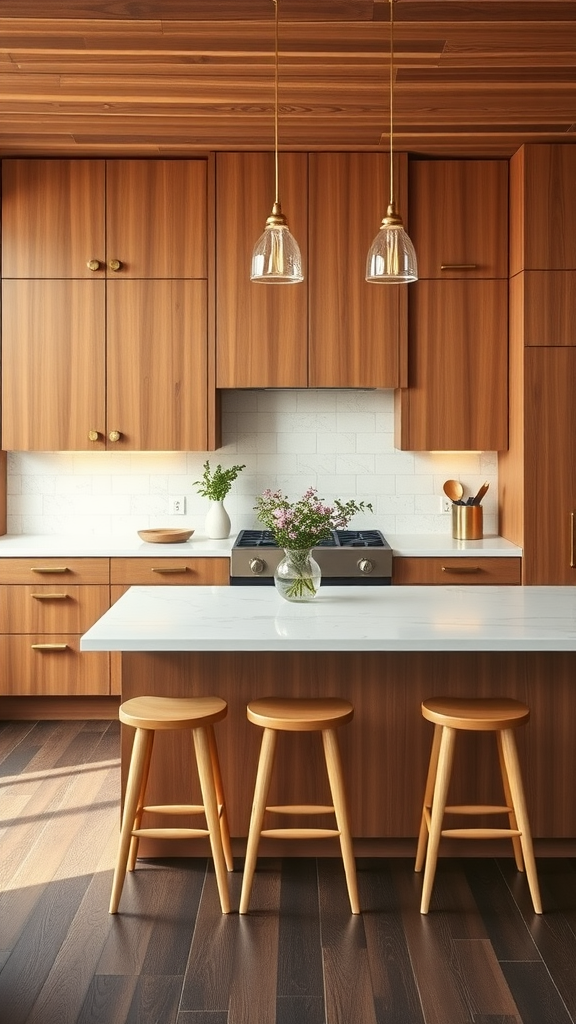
<point x="543" y="306"/>
<point x="357" y="330"/>
<point x="543" y="208"/>
<point x="459" y="217"/>
<point x="157" y="365"/>
<point x="52" y="218"/>
<point x="550" y="467"/>
<point x="435" y="571"/>
<point x="262" y="329"/>
<point x="457" y="368"/>
<point x="52" y="666"/>
<point x="53" y="371"/>
<point x="156" y="218"/>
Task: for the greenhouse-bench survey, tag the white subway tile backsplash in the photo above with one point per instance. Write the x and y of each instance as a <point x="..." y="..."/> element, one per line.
<point x="340" y="442"/>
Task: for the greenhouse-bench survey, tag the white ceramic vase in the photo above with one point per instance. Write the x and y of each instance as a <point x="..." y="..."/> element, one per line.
<point x="217" y="523"/>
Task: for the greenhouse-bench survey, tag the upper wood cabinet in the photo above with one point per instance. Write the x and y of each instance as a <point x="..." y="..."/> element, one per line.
<point x="543" y="208"/>
<point x="456" y="397"/>
<point x="357" y="330"/>
<point x="261" y="329"/>
<point x="333" y="329"/>
<point x="94" y="218"/>
<point x="459" y="218"/>
<point x="114" y="356"/>
<point x="543" y="307"/>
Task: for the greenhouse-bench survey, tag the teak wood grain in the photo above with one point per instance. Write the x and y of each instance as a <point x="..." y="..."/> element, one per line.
<point x="60" y="671"/>
<point x="546" y="306"/>
<point x="51" y="608"/>
<point x="461" y="570"/>
<point x="459" y="401"/>
<point x="543" y="208"/>
<point x="53" y="364"/>
<point x="357" y="330"/>
<point x="54" y="570"/>
<point x="150" y="571"/>
<point x="458" y="218"/>
<point x="262" y="329"/>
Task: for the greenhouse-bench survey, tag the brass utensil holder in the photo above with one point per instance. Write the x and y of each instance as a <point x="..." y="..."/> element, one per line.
<point x="467" y="522"/>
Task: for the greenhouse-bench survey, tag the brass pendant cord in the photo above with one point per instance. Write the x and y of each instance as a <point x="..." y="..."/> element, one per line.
<point x="277" y="194"/>
<point x="391" y="101"/>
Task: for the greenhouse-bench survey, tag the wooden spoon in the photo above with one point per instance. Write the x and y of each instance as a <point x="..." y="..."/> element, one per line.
<point x="453" y="489"/>
<point x="478" y="497"/>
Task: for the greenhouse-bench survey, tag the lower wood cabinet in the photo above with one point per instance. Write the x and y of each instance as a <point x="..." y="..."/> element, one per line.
<point x="463" y="570"/>
<point x="45" y="606"/>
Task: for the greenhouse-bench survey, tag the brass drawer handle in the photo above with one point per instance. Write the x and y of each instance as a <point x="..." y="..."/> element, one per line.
<point x="461" y="568"/>
<point x="458" y="266"/>
<point x="93" y="264"/>
<point x="49" y="647"/>
<point x="169" y="568"/>
<point x="115" y="265"/>
<point x="55" y="568"/>
<point x="572" y="546"/>
<point x="50" y="597"/>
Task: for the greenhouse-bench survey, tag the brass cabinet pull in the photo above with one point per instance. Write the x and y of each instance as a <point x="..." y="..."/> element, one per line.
<point x="461" y="568"/>
<point x="170" y="568"/>
<point x="93" y="435"/>
<point x="114" y="435"/>
<point x="49" y="647"/>
<point x="93" y="264"/>
<point x="458" y="266"/>
<point x="572" y="566"/>
<point x="115" y="265"/>
<point x="55" y="568"/>
<point x="50" y="597"/>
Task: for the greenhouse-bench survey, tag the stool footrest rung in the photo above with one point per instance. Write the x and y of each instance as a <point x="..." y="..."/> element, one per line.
<point x="174" y="808"/>
<point x="477" y="809"/>
<point x="481" y="833"/>
<point x="171" y="833"/>
<point x="300" y="833"/>
<point x="301" y="809"/>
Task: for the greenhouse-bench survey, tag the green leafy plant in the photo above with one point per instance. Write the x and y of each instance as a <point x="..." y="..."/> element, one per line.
<point x="303" y="523"/>
<point x="216" y="483"/>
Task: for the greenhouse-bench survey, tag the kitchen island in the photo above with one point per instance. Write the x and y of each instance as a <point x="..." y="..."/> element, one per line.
<point x="385" y="649"/>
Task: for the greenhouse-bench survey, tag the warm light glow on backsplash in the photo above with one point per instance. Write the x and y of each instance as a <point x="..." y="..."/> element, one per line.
<point x="341" y="442"/>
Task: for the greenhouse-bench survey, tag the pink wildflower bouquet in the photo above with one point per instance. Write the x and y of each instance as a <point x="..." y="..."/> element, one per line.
<point x="303" y="523"/>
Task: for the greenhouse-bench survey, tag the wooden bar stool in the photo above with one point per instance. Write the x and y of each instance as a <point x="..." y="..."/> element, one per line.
<point x="147" y="715"/>
<point x="500" y="715"/>
<point x="311" y="714"/>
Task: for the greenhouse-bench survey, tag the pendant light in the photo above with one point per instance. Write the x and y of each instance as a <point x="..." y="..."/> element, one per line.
<point x="391" y="258"/>
<point x="276" y="257"/>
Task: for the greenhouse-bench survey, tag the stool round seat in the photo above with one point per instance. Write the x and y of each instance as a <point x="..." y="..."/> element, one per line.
<point x="300" y="714"/>
<point x="171" y="712"/>
<point x="477" y="714"/>
<point x="451" y="715"/>
<point x="148" y="715"/>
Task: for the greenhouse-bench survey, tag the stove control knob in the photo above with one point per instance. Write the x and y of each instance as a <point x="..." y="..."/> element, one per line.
<point x="365" y="566"/>
<point x="257" y="566"/>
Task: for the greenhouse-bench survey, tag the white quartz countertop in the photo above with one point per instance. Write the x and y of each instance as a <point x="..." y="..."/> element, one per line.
<point x="409" y="545"/>
<point x="47" y="546"/>
<point x="452" y="618"/>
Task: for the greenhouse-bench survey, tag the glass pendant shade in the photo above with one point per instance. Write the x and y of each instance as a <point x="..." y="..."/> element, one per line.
<point x="391" y="257"/>
<point x="276" y="257"/>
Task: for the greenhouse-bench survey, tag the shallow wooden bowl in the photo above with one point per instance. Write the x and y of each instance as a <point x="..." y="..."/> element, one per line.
<point x="165" y="536"/>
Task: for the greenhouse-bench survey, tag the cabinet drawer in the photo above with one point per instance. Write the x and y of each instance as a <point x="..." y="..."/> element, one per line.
<point x="49" y="609"/>
<point x="462" y="570"/>
<point x="170" y="571"/>
<point x="54" y="666"/>
<point x="58" y="570"/>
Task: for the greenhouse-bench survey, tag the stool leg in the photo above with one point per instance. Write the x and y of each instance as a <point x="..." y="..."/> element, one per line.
<point x="517" y="845"/>
<point x="429" y="790"/>
<point x="336" y="780"/>
<point x="135" y="840"/>
<point x="263" y="776"/>
<point x="202" y="749"/>
<point x="142" y="743"/>
<point x="510" y="755"/>
<point x="224" y="829"/>
<point x="445" y="759"/>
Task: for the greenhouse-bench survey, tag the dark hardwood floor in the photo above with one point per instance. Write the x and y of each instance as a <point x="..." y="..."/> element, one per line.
<point x="480" y="957"/>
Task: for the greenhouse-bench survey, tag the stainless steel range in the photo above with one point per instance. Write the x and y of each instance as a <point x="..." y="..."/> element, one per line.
<point x="346" y="558"/>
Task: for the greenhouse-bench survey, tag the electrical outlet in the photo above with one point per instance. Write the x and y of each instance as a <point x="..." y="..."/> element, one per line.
<point x="177" y="506"/>
<point x="446" y="505"/>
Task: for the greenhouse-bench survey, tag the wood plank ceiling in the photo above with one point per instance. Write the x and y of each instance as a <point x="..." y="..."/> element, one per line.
<point x="174" y="77"/>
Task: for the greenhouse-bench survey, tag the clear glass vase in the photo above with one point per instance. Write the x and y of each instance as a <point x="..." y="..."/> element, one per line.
<point x="298" y="575"/>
